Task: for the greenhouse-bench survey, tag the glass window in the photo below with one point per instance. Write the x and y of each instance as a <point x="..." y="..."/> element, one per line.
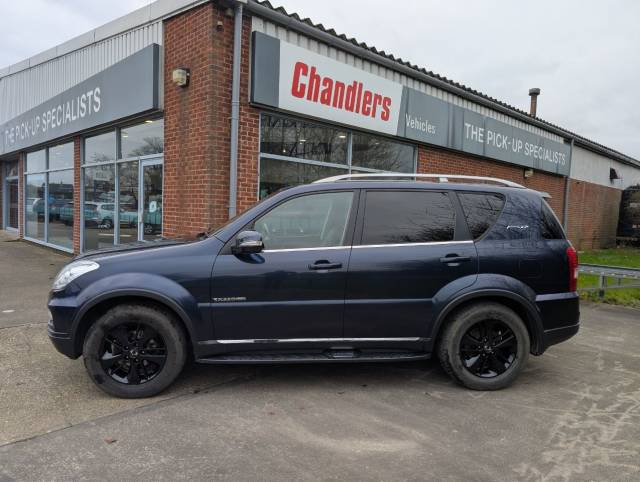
<point x="37" y="161"/>
<point x="517" y="221"/>
<point x="34" y="206"/>
<point x="11" y="169"/>
<point x="142" y="139"/>
<point x="128" y="178"/>
<point x="481" y="210"/>
<point x="152" y="201"/>
<point x="549" y="225"/>
<point x="375" y="152"/>
<point x="100" y="148"/>
<point x="317" y="220"/>
<point x="61" y="208"/>
<point x="393" y="217"/>
<point x="61" y="156"/>
<point x="294" y="138"/>
<point x="276" y="174"/>
<point x="99" y="189"/>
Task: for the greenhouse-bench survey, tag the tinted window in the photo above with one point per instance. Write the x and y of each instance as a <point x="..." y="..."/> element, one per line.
<point x="375" y="152"/>
<point x="518" y="219"/>
<point x="481" y="210"/>
<point x="313" y="221"/>
<point x="407" y="217"/>
<point x="294" y="138"/>
<point x="549" y="226"/>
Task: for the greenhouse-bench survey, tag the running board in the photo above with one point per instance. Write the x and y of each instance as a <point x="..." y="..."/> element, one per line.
<point x="327" y="357"/>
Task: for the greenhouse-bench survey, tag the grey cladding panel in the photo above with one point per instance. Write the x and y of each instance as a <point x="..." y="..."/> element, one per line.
<point x="265" y="73"/>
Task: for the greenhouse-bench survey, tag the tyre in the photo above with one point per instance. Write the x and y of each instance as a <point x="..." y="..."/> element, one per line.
<point x="484" y="346"/>
<point x="135" y="350"/>
<point x="107" y="223"/>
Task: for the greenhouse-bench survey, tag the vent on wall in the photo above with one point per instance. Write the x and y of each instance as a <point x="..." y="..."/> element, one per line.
<point x="613" y="174"/>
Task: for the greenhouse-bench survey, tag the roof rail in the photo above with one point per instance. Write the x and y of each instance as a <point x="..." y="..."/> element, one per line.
<point x="438" y="178"/>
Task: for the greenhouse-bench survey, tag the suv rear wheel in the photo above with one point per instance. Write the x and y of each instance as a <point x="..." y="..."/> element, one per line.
<point x="134" y="350"/>
<point x="484" y="346"/>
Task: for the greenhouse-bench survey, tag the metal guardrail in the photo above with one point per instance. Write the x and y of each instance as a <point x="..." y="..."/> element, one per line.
<point x="605" y="273"/>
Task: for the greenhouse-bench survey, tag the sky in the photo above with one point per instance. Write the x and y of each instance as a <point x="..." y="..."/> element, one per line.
<point x="583" y="55"/>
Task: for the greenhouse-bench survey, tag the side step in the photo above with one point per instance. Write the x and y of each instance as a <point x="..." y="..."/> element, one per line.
<point x="334" y="356"/>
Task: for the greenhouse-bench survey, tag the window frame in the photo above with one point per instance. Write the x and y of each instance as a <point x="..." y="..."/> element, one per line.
<point x="45" y="172"/>
<point x="349" y="230"/>
<point x="348" y="168"/>
<point x="461" y="232"/>
<point x="116" y="162"/>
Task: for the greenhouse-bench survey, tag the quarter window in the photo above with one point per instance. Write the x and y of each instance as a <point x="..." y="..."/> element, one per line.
<point x="549" y="226"/>
<point x="393" y="217"/>
<point x="313" y="221"/>
<point x="481" y="211"/>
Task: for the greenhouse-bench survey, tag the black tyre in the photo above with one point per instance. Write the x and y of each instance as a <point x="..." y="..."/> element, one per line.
<point x="135" y="350"/>
<point x="484" y="346"/>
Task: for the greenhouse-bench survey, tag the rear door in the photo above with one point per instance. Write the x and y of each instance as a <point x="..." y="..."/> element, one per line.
<point x="410" y="244"/>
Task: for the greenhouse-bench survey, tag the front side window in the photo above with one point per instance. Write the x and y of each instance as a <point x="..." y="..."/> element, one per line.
<point x="397" y="217"/>
<point x="313" y="221"/>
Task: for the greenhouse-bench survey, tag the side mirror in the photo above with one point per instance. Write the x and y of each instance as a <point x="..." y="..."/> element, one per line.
<point x="248" y="242"/>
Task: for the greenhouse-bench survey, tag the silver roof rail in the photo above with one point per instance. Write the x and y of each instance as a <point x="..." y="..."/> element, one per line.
<point x="437" y="177"/>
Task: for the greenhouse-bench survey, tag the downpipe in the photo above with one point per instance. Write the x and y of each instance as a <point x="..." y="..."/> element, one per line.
<point x="235" y="108"/>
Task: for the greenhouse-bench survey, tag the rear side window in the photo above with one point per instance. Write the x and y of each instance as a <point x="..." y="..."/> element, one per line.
<point x="395" y="217"/>
<point x="549" y="226"/>
<point x="481" y="210"/>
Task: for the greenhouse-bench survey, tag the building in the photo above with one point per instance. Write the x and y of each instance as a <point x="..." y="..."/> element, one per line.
<point x="171" y="119"/>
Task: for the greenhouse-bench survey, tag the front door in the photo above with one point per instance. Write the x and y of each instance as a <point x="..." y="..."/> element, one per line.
<point x="294" y="289"/>
<point x="150" y="219"/>
<point x="409" y="250"/>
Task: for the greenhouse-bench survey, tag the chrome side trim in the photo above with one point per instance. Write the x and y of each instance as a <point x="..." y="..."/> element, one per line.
<point x="316" y="340"/>
<point x="433" y="243"/>
<point x="304" y="249"/>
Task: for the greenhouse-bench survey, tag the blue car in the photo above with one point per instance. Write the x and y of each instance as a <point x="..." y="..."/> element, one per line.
<point x="474" y="271"/>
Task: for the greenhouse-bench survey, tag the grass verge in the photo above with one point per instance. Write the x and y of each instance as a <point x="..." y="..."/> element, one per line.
<point x="623" y="257"/>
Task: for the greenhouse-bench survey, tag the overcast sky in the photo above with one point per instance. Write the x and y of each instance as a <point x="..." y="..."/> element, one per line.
<point x="584" y="55"/>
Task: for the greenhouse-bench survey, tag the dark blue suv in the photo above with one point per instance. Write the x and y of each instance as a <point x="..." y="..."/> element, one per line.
<point x="476" y="271"/>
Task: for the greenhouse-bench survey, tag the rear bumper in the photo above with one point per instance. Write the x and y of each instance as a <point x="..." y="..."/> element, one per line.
<point x="560" y="315"/>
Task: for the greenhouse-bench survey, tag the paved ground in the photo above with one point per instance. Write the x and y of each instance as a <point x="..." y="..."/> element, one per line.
<point x="573" y="415"/>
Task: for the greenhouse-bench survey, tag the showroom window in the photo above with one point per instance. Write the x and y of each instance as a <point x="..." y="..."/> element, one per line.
<point x="48" y="209"/>
<point x="122" y="175"/>
<point x="294" y="151"/>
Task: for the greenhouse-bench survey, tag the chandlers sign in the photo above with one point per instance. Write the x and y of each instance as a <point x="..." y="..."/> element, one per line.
<point x="126" y="88"/>
<point x="294" y="79"/>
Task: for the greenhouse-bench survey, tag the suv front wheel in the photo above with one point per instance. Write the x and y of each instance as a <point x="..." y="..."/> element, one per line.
<point x="135" y="350"/>
<point x="484" y="346"/>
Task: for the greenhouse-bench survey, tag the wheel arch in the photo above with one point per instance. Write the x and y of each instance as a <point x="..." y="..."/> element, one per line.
<point x="100" y="305"/>
<point x="520" y="305"/>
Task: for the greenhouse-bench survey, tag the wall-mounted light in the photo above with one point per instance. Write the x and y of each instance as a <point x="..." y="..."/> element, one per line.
<point x="180" y="77"/>
<point x="528" y="173"/>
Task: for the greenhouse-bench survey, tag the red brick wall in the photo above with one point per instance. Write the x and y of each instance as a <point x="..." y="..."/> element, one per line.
<point x="593" y="214"/>
<point x="77" y="172"/>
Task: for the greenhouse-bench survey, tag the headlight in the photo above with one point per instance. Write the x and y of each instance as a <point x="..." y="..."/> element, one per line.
<point x="71" y="272"/>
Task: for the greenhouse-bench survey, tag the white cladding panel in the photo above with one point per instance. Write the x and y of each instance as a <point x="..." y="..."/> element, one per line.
<point x="591" y="167"/>
<point x="286" y="35"/>
<point x="28" y="88"/>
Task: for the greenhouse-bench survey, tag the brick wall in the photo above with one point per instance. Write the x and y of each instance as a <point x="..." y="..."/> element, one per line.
<point x="593" y="214"/>
<point x="77" y="172"/>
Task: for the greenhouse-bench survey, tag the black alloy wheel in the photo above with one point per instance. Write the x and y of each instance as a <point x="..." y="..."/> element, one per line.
<point x="488" y="348"/>
<point x="132" y="353"/>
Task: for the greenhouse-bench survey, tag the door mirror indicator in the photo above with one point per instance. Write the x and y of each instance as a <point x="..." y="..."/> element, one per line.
<point x="248" y="242"/>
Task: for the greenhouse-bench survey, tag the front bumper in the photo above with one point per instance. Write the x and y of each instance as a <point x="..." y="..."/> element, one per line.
<point x="62" y="309"/>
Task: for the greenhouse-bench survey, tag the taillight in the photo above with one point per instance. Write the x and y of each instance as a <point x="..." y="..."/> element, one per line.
<point x="572" y="261"/>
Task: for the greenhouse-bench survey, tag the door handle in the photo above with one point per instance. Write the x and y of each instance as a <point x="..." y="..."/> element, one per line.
<point x="324" y="264"/>
<point x="454" y="259"/>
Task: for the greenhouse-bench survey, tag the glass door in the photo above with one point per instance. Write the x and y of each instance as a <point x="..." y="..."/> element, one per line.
<point x="150" y="220"/>
<point x="11" y="203"/>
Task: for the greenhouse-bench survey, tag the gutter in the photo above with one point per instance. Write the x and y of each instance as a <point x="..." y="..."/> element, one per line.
<point x="235" y="106"/>
<point x="339" y="43"/>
